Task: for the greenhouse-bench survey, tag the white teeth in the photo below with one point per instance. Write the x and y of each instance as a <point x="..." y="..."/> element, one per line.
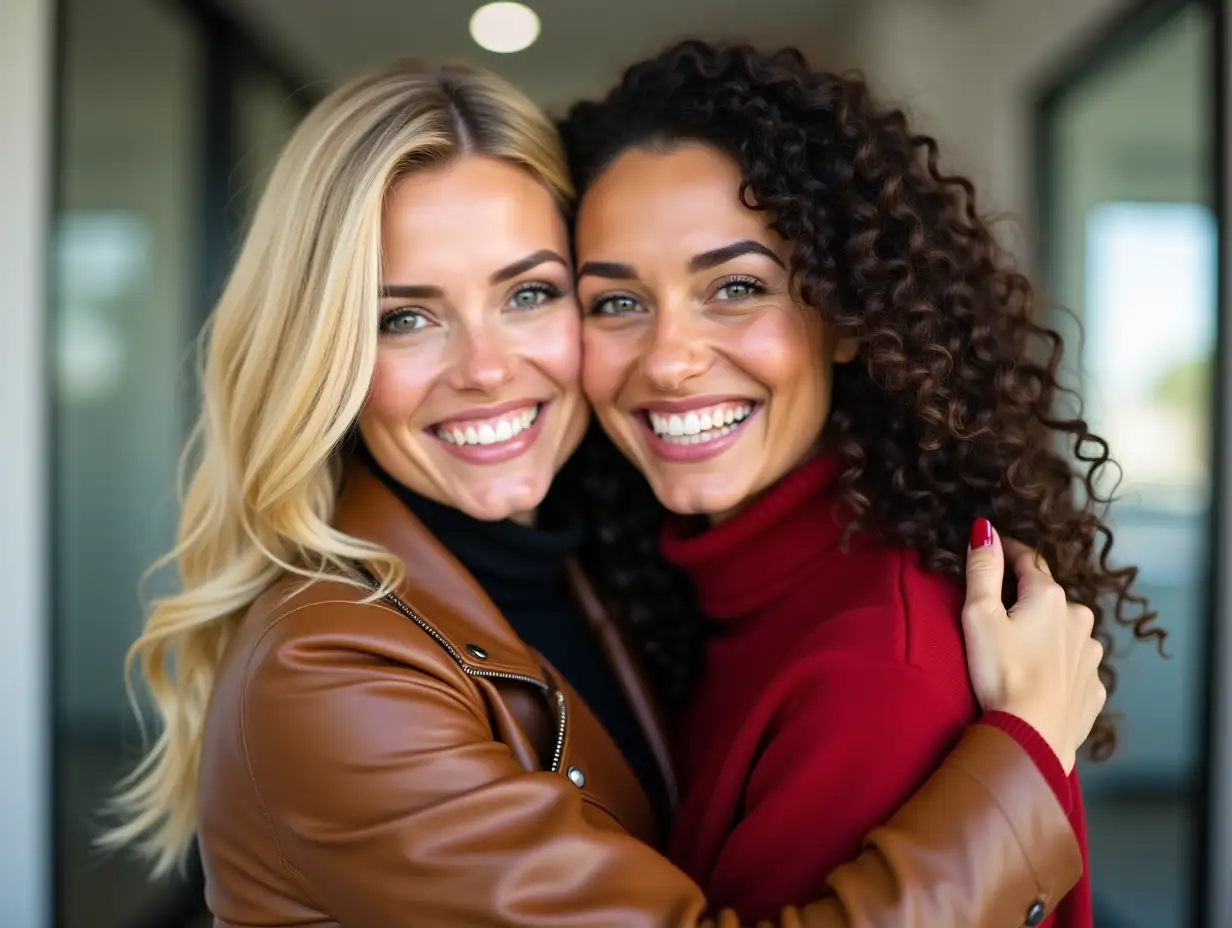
<point x="490" y="433"/>
<point x="700" y="425"/>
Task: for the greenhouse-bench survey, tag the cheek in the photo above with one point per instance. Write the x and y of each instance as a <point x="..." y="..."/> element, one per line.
<point x="787" y="353"/>
<point x="399" y="388"/>
<point x="555" y="348"/>
<point x="605" y="358"/>
<point x="804" y="362"/>
<point x="783" y="350"/>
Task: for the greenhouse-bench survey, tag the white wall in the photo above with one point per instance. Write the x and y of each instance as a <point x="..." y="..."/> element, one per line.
<point x="967" y="71"/>
<point x="25" y="114"/>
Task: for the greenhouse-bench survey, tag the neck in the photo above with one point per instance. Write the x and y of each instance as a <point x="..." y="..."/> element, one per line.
<point x="525" y="518"/>
<point x="718" y="518"/>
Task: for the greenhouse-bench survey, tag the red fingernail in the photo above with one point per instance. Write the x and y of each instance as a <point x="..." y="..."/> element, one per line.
<point x="981" y="534"/>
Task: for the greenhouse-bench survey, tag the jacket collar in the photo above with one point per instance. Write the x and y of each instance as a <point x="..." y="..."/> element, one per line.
<point x="436" y="587"/>
<point x="446" y="598"/>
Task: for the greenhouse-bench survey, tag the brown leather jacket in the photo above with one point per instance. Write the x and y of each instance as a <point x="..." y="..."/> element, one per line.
<point x="412" y="763"/>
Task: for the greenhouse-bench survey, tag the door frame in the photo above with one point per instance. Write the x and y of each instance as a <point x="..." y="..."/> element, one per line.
<point x="1210" y="899"/>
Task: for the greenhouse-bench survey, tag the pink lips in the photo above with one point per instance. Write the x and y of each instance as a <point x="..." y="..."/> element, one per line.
<point x="496" y="452"/>
<point x="692" y="452"/>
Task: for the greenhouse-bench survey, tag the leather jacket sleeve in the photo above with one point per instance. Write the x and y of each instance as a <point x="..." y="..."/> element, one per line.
<point x="391" y="804"/>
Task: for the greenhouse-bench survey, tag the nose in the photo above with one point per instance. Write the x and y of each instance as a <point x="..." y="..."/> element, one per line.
<point x="677" y="351"/>
<point x="482" y="364"/>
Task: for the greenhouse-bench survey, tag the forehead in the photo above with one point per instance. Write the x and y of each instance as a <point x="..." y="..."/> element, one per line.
<point x="685" y="200"/>
<point x="470" y="213"/>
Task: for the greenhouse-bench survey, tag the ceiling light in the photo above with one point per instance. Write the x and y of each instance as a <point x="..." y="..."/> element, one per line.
<point x="504" y="27"/>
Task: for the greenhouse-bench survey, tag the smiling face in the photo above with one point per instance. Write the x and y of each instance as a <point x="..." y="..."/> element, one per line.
<point x="475" y="401"/>
<point x="698" y="362"/>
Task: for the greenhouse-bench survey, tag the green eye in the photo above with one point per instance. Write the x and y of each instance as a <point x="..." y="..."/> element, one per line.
<point x="403" y="321"/>
<point x="738" y="289"/>
<point x="614" y="306"/>
<point x="532" y="296"/>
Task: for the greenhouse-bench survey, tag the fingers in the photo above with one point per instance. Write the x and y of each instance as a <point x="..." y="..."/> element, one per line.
<point x="1095" y="694"/>
<point x="1031" y="569"/>
<point x="985" y="567"/>
<point x="1092" y="655"/>
<point x="1083" y="619"/>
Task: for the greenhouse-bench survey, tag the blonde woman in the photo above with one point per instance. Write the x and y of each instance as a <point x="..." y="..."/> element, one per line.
<point x="367" y="716"/>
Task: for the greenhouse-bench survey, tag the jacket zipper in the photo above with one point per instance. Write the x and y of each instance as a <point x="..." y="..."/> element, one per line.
<point x="561" y="720"/>
<point x="561" y="712"/>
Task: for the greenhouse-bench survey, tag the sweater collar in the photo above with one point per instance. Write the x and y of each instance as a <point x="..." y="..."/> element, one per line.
<point x="520" y="561"/>
<point x="743" y="563"/>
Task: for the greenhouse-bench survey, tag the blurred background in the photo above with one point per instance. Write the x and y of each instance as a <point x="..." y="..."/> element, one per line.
<point x="136" y="136"/>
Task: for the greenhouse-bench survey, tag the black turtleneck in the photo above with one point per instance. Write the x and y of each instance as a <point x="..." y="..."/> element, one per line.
<point x="522" y="568"/>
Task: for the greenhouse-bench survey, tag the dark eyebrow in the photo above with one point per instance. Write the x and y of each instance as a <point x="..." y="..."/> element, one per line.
<point x="713" y="258"/>
<point x="612" y="270"/>
<point x="424" y="291"/>
<point x="525" y="264"/>
<point x="410" y="292"/>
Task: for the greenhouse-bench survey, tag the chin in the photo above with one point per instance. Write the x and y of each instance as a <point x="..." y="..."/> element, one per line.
<point x="494" y="503"/>
<point x="689" y="499"/>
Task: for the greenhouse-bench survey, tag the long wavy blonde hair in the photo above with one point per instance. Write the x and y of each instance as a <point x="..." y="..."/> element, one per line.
<point x="288" y="357"/>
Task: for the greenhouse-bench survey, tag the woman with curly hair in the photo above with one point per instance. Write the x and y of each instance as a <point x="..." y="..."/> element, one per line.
<point x="800" y="332"/>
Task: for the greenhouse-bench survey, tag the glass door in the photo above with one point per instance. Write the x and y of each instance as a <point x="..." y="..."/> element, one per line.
<point x="1129" y="236"/>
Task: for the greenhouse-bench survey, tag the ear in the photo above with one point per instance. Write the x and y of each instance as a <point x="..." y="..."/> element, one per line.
<point x="845" y="350"/>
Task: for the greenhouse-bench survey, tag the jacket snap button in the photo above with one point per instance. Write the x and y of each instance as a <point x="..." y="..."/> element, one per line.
<point x="577" y="777"/>
<point x="477" y="651"/>
<point x="1035" y="914"/>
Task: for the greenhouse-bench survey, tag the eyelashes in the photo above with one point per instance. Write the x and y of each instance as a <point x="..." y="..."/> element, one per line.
<point x="738" y="286"/>
<point x="403" y="320"/>
<point x="751" y="285"/>
<point x="541" y="291"/>
<point x="619" y="304"/>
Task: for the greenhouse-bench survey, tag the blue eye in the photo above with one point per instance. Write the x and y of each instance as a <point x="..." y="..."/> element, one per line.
<point x="614" y="306"/>
<point x="532" y="295"/>
<point x="403" y="321"/>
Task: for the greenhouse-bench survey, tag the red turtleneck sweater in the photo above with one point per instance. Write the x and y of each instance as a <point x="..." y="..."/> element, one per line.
<point x="834" y="683"/>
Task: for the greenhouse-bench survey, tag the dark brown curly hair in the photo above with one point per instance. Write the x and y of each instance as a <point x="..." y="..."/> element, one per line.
<point x="951" y="411"/>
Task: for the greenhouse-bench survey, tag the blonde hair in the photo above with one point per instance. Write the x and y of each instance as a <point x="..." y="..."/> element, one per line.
<point x="290" y="352"/>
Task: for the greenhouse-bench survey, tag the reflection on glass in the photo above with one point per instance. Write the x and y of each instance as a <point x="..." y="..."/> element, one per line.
<point x="126" y="269"/>
<point x="100" y="261"/>
<point x="1150" y="342"/>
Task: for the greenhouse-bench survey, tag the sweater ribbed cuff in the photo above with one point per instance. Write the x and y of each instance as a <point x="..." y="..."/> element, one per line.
<point x="1038" y="750"/>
